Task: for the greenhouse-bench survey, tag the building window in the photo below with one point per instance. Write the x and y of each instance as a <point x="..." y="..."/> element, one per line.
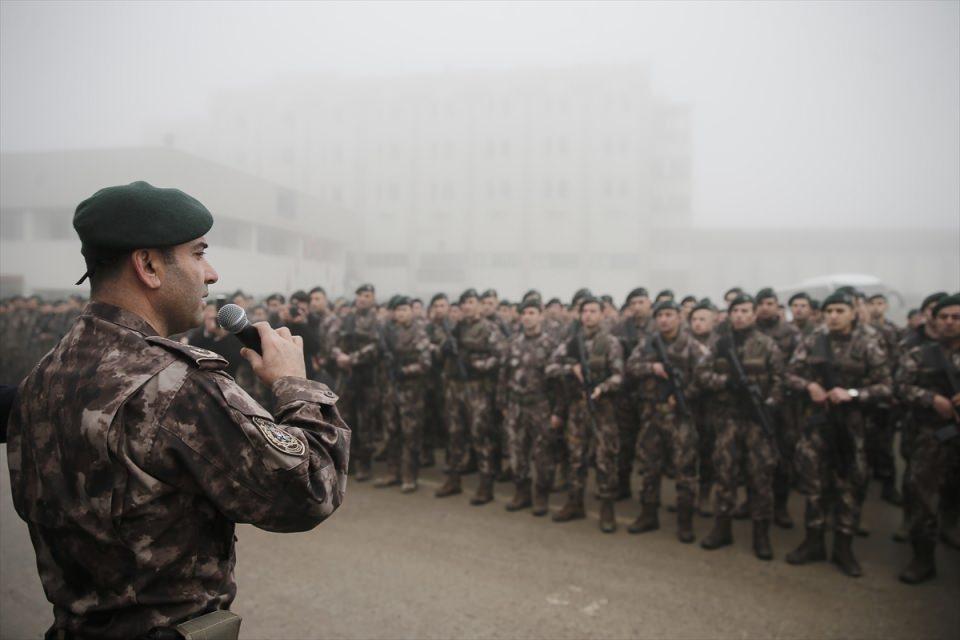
<point x="11" y="224"/>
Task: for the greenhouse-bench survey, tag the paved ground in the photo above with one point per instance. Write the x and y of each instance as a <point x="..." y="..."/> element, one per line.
<point x="394" y="566"/>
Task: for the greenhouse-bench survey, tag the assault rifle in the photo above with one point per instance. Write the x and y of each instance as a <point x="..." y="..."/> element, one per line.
<point x="727" y="349"/>
<point x="588" y="384"/>
<point x="839" y="442"/>
<point x="938" y="359"/>
<point x="674" y="377"/>
<point x="450" y="345"/>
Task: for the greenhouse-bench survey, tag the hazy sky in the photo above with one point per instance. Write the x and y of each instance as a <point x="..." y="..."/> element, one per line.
<point x="802" y="113"/>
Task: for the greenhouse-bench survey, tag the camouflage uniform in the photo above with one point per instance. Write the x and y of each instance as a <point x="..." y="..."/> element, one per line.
<point x="739" y="432"/>
<point x="524" y="396"/>
<point x="469" y="403"/>
<point x="934" y="464"/>
<point x="599" y="429"/>
<point x="666" y="428"/>
<point x="706" y="431"/>
<point x="409" y="362"/>
<point x="434" y="432"/>
<point x="132" y="457"/>
<point x="360" y="396"/>
<point x="881" y="417"/>
<point x="831" y="459"/>
<point x="629" y="409"/>
<point x="786" y="418"/>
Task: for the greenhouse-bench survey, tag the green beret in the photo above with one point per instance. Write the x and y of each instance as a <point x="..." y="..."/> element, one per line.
<point x="800" y="295"/>
<point x="489" y="293"/>
<point x="588" y="299"/>
<point x="704" y="304"/>
<point x="639" y="292"/>
<point x="436" y="297"/>
<point x="946" y="301"/>
<point x="840" y="297"/>
<point x="742" y="298"/>
<point x="532" y="302"/>
<point x="933" y="298"/>
<point x="398" y="301"/>
<point x="469" y="293"/>
<point x="664" y="305"/>
<point x="687" y="299"/>
<point x="666" y="293"/>
<point x="766" y="292"/>
<point x="365" y="287"/>
<point x="117" y="220"/>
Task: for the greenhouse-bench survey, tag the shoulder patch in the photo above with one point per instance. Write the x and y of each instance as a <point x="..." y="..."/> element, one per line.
<point x="278" y="438"/>
<point x="202" y="358"/>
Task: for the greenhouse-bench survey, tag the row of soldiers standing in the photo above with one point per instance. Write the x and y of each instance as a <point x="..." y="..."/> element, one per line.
<point x="713" y="399"/>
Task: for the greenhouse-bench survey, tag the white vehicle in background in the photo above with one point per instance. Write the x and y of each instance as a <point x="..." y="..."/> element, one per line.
<point x="820" y="287"/>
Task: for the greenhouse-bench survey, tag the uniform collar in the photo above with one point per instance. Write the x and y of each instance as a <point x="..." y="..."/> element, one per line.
<point x="118" y="316"/>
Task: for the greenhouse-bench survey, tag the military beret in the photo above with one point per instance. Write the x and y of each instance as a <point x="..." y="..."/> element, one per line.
<point x="687" y="299"/>
<point x="946" y="301"/>
<point x="532" y="302"/>
<point x="504" y="303"/>
<point x="742" y="298"/>
<point x="814" y="304"/>
<point x="666" y="293"/>
<point x="765" y="293"/>
<point x="734" y="290"/>
<point x="840" y="297"/>
<point x="277" y="296"/>
<point x="553" y="301"/>
<point x="851" y="291"/>
<point x="664" y="305"/>
<point x="580" y="293"/>
<point x="877" y="296"/>
<point x="117" y="220"/>
<point x="489" y="293"/>
<point x="704" y="304"/>
<point x="607" y="298"/>
<point x="639" y="292"/>
<point x="469" y="293"/>
<point x="531" y="292"/>
<point x="933" y="298"/>
<point x="366" y="286"/>
<point x="398" y="301"/>
<point x="299" y="296"/>
<point x="912" y="313"/>
<point x="438" y="296"/>
<point x="800" y="295"/>
<point x="588" y="299"/>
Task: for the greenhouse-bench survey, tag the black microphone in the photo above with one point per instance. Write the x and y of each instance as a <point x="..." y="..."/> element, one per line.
<point x="234" y="319"/>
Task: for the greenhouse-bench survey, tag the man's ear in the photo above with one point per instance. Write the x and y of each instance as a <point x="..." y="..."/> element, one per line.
<point x="148" y="265"/>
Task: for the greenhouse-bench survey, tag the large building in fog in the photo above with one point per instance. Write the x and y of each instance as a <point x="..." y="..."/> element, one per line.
<point x="471" y="178"/>
<point x="265" y="237"/>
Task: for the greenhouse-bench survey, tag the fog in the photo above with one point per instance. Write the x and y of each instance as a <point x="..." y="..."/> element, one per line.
<point x="820" y="117"/>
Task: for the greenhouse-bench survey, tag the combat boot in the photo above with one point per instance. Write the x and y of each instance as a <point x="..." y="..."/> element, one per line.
<point x="408" y="486"/>
<point x="742" y="512"/>
<point x="451" y="487"/>
<point x="541" y="498"/>
<point x="761" y="540"/>
<point x="648" y="520"/>
<point x="386" y="481"/>
<point x="720" y="536"/>
<point x="685" y="523"/>
<point x="781" y="517"/>
<point x="521" y="499"/>
<point x="922" y="566"/>
<point x="608" y="519"/>
<point x="812" y="549"/>
<point x="484" y="492"/>
<point x="427" y="458"/>
<point x="843" y="555"/>
<point x="703" y="502"/>
<point x="573" y="510"/>
<point x="890" y="493"/>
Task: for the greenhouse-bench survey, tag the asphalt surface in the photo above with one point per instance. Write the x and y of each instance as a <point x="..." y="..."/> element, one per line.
<point x="388" y="565"/>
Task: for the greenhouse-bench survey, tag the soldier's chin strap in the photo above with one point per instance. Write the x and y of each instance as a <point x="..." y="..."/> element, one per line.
<point x="85" y="276"/>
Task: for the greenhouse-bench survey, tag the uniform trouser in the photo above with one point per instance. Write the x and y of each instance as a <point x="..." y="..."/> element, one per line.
<point x="433" y="424"/>
<point x="404" y="427"/>
<point x="668" y="432"/>
<point x="741" y="438"/>
<point x="787" y="421"/>
<point x="879" y="442"/>
<point x="529" y="434"/>
<point x="597" y="431"/>
<point x="468" y="405"/>
<point x="360" y="407"/>
<point x="831" y="466"/>
<point x="628" y="425"/>
<point x="934" y="469"/>
<point x="706" y="440"/>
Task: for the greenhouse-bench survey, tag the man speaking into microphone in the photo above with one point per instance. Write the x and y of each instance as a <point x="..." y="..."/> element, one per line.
<point x="133" y="456"/>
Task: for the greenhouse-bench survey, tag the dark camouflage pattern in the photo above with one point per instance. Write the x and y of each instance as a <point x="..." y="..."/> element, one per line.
<point x="404" y="397"/>
<point x="131" y="459"/>
<point x="359" y="387"/>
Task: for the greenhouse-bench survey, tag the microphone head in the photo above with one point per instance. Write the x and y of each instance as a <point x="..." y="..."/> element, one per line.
<point x="232" y="318"/>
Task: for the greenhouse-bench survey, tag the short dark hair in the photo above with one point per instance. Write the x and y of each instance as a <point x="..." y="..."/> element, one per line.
<point x="107" y="269"/>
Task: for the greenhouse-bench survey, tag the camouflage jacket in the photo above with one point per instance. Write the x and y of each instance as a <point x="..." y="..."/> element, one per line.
<point x="523" y="368"/>
<point x="132" y="457"/>
<point x="409" y="349"/>
<point x="805" y="328"/>
<point x="481" y="345"/>
<point x="604" y="357"/>
<point x="357" y="336"/>
<point x="762" y="363"/>
<point x="921" y="375"/>
<point x="859" y="362"/>
<point x="684" y="353"/>
<point x="783" y="333"/>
